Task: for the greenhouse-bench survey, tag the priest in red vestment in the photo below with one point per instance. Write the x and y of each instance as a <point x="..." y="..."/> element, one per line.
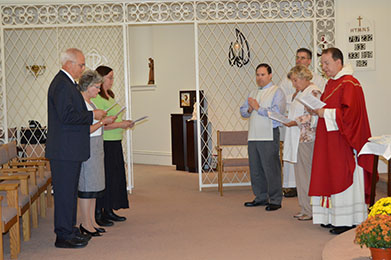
<point x="340" y="180"/>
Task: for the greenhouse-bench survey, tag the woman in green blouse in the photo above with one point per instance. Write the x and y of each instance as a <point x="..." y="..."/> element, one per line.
<point x="116" y="195"/>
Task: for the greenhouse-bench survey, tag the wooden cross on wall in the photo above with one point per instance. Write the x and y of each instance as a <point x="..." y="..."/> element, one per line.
<point x="359" y="20"/>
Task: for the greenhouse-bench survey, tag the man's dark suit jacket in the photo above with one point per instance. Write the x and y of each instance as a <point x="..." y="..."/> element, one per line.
<point x="68" y="122"/>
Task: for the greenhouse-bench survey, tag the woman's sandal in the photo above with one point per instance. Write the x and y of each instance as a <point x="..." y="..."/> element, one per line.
<point x="304" y="218"/>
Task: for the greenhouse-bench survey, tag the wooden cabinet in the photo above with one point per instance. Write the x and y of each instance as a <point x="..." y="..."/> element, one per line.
<point x="184" y="142"/>
<point x="179" y="140"/>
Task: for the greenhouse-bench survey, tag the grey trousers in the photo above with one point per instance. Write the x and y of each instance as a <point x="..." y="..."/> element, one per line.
<point x="303" y="176"/>
<point x="265" y="169"/>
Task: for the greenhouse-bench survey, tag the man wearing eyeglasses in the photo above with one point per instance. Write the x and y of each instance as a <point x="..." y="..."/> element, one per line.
<point x="303" y="57"/>
<point x="68" y="145"/>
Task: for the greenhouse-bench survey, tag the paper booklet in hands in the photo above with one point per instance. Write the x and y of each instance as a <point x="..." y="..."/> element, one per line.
<point x="310" y="101"/>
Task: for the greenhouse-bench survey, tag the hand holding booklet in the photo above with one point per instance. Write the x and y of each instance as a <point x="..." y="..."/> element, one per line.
<point x="310" y="101"/>
<point x="278" y="117"/>
<point x="140" y="119"/>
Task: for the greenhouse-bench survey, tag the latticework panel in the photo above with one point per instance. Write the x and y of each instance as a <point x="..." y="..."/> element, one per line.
<point x="105" y="41"/>
<point x="62" y="14"/>
<point x="3" y="123"/>
<point x="164" y="11"/>
<point x="226" y="87"/>
<point x="26" y="94"/>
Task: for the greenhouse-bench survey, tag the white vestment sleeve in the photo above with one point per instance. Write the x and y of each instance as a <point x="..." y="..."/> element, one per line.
<point x="329" y="118"/>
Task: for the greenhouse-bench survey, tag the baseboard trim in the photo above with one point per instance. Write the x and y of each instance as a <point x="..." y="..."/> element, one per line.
<point x="152" y="157"/>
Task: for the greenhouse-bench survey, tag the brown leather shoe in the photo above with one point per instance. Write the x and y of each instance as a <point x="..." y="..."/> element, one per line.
<point x="290" y="193"/>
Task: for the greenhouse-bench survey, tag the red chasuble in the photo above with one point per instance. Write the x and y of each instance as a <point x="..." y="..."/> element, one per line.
<point x="333" y="160"/>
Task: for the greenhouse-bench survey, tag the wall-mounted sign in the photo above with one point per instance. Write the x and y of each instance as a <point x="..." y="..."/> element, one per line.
<point x="361" y="44"/>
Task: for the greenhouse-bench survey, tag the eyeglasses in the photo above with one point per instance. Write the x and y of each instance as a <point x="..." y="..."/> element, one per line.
<point x="81" y="65"/>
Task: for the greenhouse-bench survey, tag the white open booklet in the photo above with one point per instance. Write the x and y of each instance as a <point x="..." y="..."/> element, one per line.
<point x="119" y="112"/>
<point x="278" y="117"/>
<point x="310" y="101"/>
<point x="107" y="110"/>
<point x="140" y="119"/>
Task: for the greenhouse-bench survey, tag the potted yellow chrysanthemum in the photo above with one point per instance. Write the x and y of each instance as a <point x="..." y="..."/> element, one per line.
<point x="375" y="231"/>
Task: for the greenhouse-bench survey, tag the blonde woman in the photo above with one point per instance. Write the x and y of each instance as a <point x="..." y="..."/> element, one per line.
<point x="300" y="136"/>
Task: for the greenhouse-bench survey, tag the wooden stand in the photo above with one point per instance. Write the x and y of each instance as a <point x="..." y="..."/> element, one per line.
<point x="374" y="179"/>
<point x="184" y="142"/>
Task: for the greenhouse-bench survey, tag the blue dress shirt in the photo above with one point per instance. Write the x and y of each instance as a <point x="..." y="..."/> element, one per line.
<point x="278" y="105"/>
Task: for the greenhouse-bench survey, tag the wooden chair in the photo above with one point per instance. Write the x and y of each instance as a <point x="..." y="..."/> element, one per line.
<point x="43" y="179"/>
<point x="44" y="176"/>
<point x="10" y="218"/>
<point x="35" y="192"/>
<point x="25" y="194"/>
<point x="230" y="138"/>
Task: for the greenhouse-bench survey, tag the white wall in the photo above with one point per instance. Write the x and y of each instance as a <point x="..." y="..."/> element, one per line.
<point x="376" y="83"/>
<point x="172" y="48"/>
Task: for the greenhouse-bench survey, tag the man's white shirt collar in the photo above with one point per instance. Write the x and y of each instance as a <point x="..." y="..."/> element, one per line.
<point x="69" y="75"/>
<point x="346" y="70"/>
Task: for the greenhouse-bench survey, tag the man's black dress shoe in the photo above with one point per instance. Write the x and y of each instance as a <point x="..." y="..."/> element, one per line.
<point x="110" y="215"/>
<point x="340" y="230"/>
<point x="255" y="203"/>
<point x="92" y="234"/>
<point x="272" y="207"/>
<point x="327" y="226"/>
<point x="83" y="237"/>
<point x="70" y="243"/>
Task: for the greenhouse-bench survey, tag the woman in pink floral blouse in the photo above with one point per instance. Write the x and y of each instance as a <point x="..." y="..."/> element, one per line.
<point x="300" y="136"/>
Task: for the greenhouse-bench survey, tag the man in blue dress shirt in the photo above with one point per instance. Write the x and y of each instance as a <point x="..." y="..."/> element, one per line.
<point x="264" y="140"/>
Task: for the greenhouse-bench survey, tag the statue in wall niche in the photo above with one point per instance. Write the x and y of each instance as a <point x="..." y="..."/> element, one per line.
<point x="151" y="79"/>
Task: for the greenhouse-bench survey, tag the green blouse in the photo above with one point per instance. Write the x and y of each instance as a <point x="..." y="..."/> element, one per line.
<point x="101" y="103"/>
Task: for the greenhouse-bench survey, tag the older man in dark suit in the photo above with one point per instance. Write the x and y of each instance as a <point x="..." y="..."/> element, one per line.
<point x="68" y="145"/>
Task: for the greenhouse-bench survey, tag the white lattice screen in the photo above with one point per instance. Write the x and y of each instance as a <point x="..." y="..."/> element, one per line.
<point x="26" y="94"/>
<point x="274" y="29"/>
<point x="226" y="87"/>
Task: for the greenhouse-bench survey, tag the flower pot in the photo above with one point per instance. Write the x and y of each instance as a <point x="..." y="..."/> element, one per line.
<point x="381" y="253"/>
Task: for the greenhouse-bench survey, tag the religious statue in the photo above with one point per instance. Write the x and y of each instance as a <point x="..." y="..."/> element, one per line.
<point x="195" y="111"/>
<point x="151" y="79"/>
